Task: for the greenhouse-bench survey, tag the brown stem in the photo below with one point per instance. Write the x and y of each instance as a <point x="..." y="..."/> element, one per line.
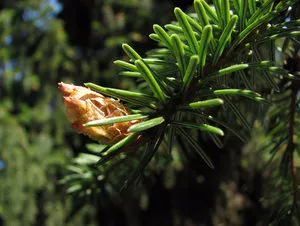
<point x="294" y="184"/>
<point x="291" y="143"/>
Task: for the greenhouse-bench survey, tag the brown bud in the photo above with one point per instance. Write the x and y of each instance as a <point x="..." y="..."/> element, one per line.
<point x="84" y="105"/>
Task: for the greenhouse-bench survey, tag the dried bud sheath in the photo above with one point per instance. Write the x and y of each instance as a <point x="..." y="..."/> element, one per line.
<point x="84" y="105"/>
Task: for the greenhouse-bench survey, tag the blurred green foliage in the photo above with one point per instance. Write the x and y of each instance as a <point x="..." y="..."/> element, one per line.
<point x="43" y="42"/>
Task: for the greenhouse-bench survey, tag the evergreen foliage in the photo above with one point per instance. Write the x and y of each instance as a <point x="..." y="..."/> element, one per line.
<point x="40" y="46"/>
<point x="204" y="59"/>
<point x="214" y="76"/>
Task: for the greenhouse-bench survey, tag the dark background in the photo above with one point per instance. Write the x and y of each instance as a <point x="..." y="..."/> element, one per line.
<point x="44" y="42"/>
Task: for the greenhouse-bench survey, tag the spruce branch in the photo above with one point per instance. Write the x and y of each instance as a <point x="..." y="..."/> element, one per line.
<point x="195" y="69"/>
